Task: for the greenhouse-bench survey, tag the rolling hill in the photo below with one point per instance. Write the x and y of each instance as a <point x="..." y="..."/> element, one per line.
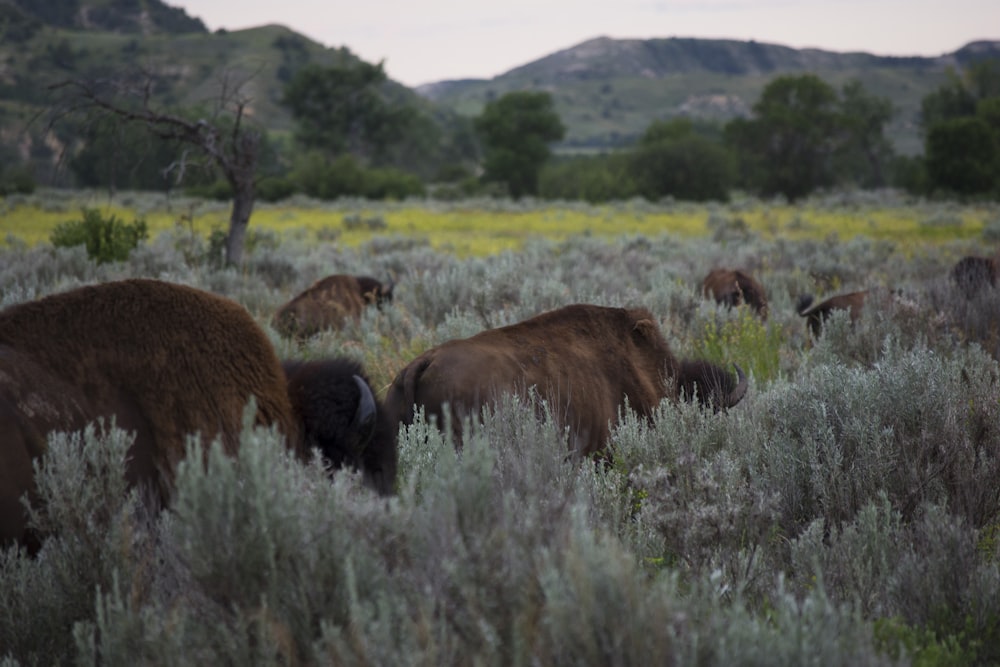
<point x="607" y="91"/>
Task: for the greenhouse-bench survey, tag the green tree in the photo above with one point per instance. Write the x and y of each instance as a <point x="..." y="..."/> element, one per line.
<point x="344" y="109"/>
<point x="789" y="145"/>
<point x="959" y="96"/>
<point x="516" y="130"/>
<point x="591" y="178"/>
<point x="673" y="159"/>
<point x="123" y="156"/>
<point x="223" y="139"/>
<point x="864" y="152"/>
<point x="962" y="132"/>
<point x="962" y="156"/>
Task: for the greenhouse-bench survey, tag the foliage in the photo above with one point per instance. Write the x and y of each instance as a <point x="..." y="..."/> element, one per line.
<point x="963" y="156"/>
<point x="107" y="239"/>
<point x="343" y="110"/>
<point x="845" y="512"/>
<point x="16" y="180"/>
<point x="787" y="147"/>
<point x="961" y="122"/>
<point x="753" y="344"/>
<point x="591" y="178"/>
<point x="516" y="130"/>
<point x="671" y="160"/>
<point x="345" y="176"/>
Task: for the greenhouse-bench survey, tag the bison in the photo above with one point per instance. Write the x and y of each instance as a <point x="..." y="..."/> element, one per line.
<point x="166" y="361"/>
<point x="584" y="360"/>
<point x="816" y="313"/>
<point x="330" y="303"/>
<point x="972" y="273"/>
<point x="733" y="287"/>
<point x="339" y="416"/>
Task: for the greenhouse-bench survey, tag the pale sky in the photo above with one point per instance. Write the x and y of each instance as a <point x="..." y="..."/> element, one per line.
<point x="424" y="41"/>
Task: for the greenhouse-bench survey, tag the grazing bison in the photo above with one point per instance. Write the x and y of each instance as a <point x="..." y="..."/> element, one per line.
<point x="584" y="360"/>
<point x="734" y="287"/>
<point x="164" y="361"/>
<point x="816" y="313"/>
<point x="972" y="274"/>
<point x="329" y="303"/>
<point x="339" y="416"/>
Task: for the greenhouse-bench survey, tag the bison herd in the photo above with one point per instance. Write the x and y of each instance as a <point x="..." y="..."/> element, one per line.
<point x="166" y="361"/>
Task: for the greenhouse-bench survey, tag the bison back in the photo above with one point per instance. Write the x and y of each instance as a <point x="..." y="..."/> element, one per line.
<point x="165" y="360"/>
<point x="328" y="303"/>
<point x="583" y="361"/>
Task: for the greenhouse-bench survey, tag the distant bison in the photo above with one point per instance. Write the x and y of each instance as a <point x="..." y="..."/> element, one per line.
<point x="584" y="360"/>
<point x="971" y="274"/>
<point x="816" y="313"/>
<point x="733" y="287"/>
<point x="330" y="303"/>
<point x="165" y="361"/>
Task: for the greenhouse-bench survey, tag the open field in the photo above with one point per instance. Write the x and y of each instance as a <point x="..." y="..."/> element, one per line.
<point x="485" y="227"/>
<point x="845" y="512"/>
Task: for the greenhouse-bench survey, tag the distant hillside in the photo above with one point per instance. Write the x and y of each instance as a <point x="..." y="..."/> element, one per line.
<point x="189" y="66"/>
<point x="607" y="91"/>
<point x="143" y="17"/>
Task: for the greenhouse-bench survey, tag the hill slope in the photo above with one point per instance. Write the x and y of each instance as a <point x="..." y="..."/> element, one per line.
<point x="609" y="90"/>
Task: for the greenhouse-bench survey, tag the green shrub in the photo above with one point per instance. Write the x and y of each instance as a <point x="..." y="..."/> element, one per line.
<point x="106" y="239"/>
<point x="744" y="339"/>
<point x="16" y="180"/>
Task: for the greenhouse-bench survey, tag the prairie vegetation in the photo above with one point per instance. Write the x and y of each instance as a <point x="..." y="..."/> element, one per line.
<point x="847" y="511"/>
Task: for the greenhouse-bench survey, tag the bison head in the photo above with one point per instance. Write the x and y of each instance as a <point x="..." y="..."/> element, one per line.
<point x="341" y="419"/>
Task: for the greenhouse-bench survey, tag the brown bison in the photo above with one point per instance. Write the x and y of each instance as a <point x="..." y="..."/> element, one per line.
<point x="733" y="287"/>
<point x="584" y="360"/>
<point x="971" y="274"/>
<point x="330" y="303"/>
<point x="816" y="313"/>
<point x="166" y="361"/>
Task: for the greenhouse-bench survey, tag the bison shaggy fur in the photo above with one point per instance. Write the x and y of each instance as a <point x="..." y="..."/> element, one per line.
<point x="972" y="274"/>
<point x="817" y="313"/>
<point x="164" y="361"/>
<point x="734" y="287"/>
<point x="584" y="360"/>
<point x="341" y="419"/>
<point x="330" y="303"/>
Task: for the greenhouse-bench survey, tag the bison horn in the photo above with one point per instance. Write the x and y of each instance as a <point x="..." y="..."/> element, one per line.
<point x="364" y="418"/>
<point x="740" y="390"/>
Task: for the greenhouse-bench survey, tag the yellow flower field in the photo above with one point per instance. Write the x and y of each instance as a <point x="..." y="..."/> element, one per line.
<point x="484" y="227"/>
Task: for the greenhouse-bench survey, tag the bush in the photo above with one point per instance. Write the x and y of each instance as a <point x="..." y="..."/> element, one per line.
<point x="16" y="180"/>
<point x="106" y="239"/>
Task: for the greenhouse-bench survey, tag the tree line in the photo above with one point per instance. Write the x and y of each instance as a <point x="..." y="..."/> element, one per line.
<point x="355" y="134"/>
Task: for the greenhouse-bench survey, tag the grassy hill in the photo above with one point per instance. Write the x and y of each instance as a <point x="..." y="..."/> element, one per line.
<point x="609" y="90"/>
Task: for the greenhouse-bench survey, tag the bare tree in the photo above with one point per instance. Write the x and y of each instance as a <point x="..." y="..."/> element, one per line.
<point x="222" y="138"/>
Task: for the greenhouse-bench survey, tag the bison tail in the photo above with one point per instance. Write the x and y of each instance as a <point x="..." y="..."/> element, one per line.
<point x="403" y="392"/>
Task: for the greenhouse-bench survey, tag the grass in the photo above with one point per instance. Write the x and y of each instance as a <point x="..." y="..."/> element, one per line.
<point x="488" y="227"/>
<point x="845" y="512"/>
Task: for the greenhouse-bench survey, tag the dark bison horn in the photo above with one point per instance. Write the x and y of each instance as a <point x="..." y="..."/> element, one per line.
<point x="740" y="390"/>
<point x="364" y="418"/>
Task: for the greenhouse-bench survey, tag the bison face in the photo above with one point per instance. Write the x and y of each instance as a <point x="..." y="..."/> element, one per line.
<point x="711" y="384"/>
<point x="374" y="292"/>
<point x="342" y="420"/>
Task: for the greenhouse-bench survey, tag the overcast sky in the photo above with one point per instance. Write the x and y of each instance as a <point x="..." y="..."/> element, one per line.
<point x="422" y="41"/>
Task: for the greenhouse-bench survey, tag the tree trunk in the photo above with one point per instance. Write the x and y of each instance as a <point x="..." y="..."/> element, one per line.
<point x="239" y="218"/>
